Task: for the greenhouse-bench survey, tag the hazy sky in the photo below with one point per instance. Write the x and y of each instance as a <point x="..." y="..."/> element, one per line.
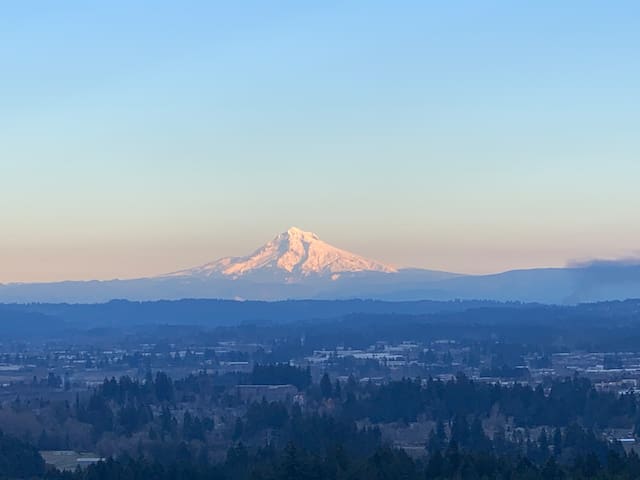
<point x="143" y="137"/>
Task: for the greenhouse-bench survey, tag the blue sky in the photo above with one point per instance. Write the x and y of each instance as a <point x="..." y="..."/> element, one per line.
<point x="142" y="137"/>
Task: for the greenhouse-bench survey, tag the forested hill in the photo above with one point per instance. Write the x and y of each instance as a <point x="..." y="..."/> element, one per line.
<point x="212" y="313"/>
<point x="230" y="312"/>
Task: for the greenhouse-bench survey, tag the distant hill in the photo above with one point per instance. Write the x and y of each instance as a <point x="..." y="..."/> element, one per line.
<point x="118" y="313"/>
<point x="56" y="321"/>
<point x="20" y="321"/>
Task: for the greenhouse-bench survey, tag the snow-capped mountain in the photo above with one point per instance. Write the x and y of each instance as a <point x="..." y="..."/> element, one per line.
<point x="297" y="264"/>
<point x="292" y="256"/>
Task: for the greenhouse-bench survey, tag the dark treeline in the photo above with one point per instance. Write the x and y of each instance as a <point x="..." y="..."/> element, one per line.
<point x="570" y="413"/>
<point x="567" y="401"/>
<point x="123" y="405"/>
<point x="336" y="434"/>
<point x="281" y="374"/>
<point x="18" y="459"/>
<point x="212" y="312"/>
<point x="293" y="463"/>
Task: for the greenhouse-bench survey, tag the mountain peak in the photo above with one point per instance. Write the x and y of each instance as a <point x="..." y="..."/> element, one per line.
<point x="295" y="232"/>
<point x="291" y="256"/>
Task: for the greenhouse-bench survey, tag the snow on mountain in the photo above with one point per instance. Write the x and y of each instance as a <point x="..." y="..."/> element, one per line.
<point x="293" y="255"/>
<point x="297" y="264"/>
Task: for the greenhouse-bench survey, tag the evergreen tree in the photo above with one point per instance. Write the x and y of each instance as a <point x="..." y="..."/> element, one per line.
<point x="325" y="386"/>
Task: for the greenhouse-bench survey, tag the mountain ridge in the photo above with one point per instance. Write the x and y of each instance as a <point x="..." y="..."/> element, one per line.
<point x="298" y="265"/>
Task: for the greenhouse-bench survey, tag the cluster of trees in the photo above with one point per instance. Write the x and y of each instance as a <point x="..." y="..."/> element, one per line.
<point x="123" y="406"/>
<point x="195" y="428"/>
<point x="564" y="445"/>
<point x="19" y="459"/>
<point x="143" y="413"/>
<point x="144" y="409"/>
<point x="314" y="432"/>
<point x="567" y="401"/>
<point x="158" y="389"/>
<point x="281" y="374"/>
<point x="295" y="463"/>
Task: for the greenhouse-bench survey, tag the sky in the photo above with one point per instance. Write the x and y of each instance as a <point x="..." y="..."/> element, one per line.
<point x="138" y="138"/>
